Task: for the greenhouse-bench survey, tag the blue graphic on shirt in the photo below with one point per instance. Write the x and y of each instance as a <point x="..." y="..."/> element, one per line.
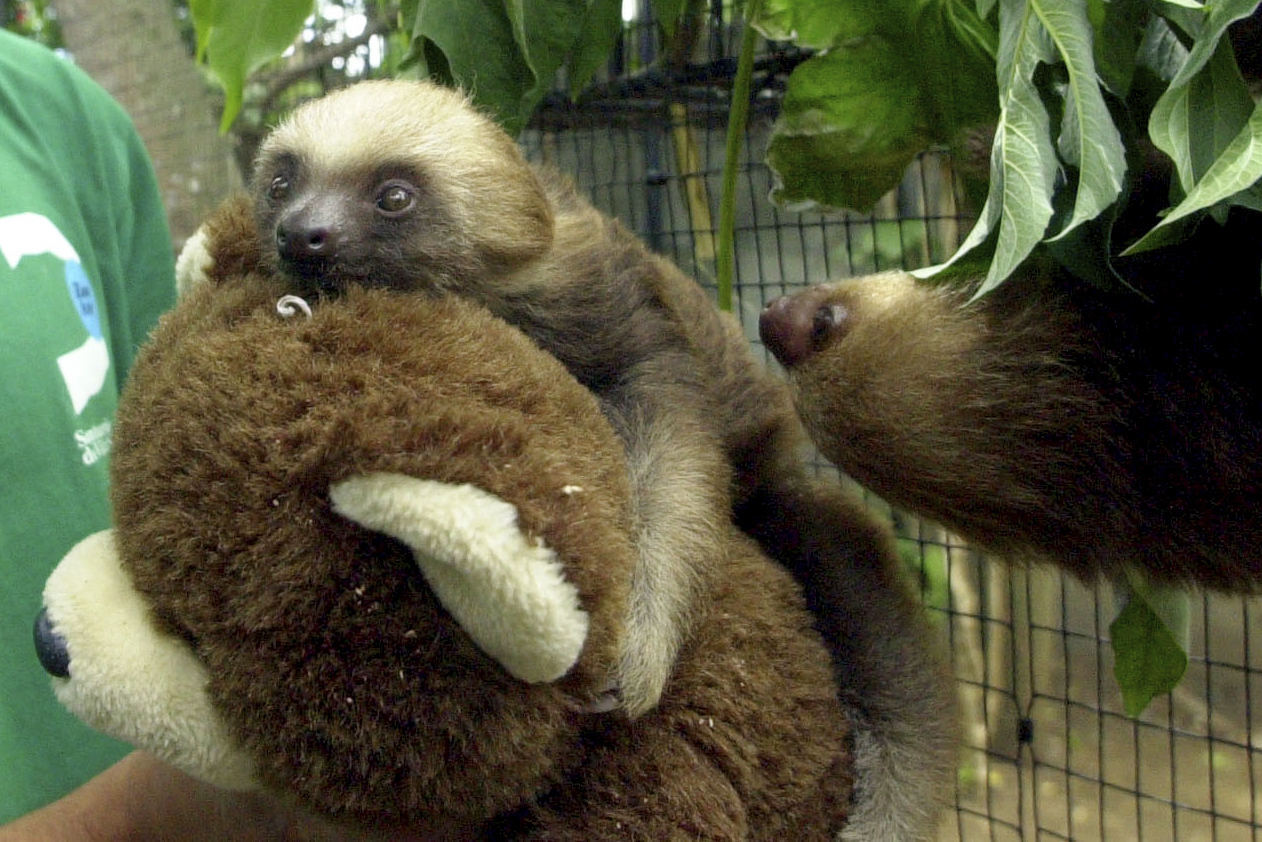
<point x="84" y="298"/>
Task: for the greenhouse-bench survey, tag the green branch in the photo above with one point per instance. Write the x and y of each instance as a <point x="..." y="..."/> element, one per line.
<point x="738" y="114"/>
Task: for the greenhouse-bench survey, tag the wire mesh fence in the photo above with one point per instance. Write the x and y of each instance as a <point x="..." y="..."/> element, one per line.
<point x="1049" y="752"/>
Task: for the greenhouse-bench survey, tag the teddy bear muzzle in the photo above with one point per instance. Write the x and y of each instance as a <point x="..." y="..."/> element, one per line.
<point x="130" y="679"/>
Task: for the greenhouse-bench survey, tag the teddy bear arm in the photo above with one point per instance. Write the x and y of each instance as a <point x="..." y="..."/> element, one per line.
<point x="509" y="593"/>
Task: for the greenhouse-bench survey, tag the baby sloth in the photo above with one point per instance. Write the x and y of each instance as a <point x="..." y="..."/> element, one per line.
<point x="404" y="185"/>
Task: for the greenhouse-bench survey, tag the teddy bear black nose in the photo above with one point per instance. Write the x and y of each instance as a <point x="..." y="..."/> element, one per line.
<point x="51" y="647"/>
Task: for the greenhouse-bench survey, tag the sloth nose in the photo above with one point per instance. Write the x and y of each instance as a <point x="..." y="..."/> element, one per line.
<point x="793" y="327"/>
<point x="300" y="241"/>
<point x="50" y="647"/>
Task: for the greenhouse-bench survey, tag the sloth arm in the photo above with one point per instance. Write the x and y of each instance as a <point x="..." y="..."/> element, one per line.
<point x="679" y="506"/>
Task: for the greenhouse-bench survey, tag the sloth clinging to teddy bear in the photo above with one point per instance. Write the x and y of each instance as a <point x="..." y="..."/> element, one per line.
<point x="489" y="531"/>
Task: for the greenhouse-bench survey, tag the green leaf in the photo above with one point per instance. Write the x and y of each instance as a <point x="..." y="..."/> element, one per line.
<point x="1025" y="167"/>
<point x="202" y="12"/>
<point x="237" y="37"/>
<point x="971" y="29"/>
<point x="855" y="115"/>
<point x="851" y="122"/>
<point x="1023" y="163"/>
<point x="1250" y="198"/>
<point x="1160" y="55"/>
<point x="1188" y="16"/>
<point x="1089" y="141"/>
<point x="1117" y="29"/>
<point x="1206" y="102"/>
<point x="956" y="64"/>
<point x="1149" y="659"/>
<point x="820" y="24"/>
<point x="599" y="33"/>
<point x="478" y="42"/>
<point x="953" y="46"/>
<point x="506" y="52"/>
<point x="548" y="31"/>
<point x="1232" y="176"/>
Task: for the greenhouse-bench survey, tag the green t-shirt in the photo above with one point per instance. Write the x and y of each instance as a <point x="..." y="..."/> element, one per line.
<point x="85" y="270"/>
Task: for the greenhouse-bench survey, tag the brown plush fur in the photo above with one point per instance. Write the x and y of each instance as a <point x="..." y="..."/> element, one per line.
<point x="1050" y="419"/>
<point x="706" y="429"/>
<point x="334" y="664"/>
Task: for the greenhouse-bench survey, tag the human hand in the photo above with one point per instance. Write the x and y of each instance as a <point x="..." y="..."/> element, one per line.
<point x="142" y="798"/>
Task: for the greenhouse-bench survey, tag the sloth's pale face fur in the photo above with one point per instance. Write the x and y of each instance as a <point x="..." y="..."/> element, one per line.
<point x="397" y="184"/>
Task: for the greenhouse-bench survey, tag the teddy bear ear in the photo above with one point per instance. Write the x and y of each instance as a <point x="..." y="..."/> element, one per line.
<point x="508" y="592"/>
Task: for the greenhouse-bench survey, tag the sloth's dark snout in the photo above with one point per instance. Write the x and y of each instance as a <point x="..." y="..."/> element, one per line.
<point x="301" y="239"/>
<point x="309" y="241"/>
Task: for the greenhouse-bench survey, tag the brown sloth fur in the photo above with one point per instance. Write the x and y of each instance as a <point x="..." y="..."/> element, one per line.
<point x="1050" y="419"/>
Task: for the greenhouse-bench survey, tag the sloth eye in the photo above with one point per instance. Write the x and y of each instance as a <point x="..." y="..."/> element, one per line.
<point x="825" y="321"/>
<point x="279" y="188"/>
<point x="394" y="198"/>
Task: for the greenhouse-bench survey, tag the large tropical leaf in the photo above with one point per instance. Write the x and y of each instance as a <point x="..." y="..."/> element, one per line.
<point x="850" y="123"/>
<point x="506" y="53"/>
<point x="1229" y="180"/>
<point x="1088" y="142"/>
<point x="237" y="37"/>
<point x="1149" y="638"/>
<point x="888" y="80"/>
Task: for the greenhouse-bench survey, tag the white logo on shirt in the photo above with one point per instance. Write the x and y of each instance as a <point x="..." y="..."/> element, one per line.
<point x="94" y="442"/>
<point x="83" y="369"/>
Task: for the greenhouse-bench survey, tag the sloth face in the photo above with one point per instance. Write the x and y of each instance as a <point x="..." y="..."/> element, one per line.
<point x="397" y="184"/>
<point x="329" y="230"/>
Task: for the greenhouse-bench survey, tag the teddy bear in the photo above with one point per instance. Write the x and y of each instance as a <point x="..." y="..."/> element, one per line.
<point x="375" y="560"/>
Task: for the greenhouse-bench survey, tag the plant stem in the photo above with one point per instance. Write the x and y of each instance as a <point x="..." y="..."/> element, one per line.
<point x="738" y="113"/>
